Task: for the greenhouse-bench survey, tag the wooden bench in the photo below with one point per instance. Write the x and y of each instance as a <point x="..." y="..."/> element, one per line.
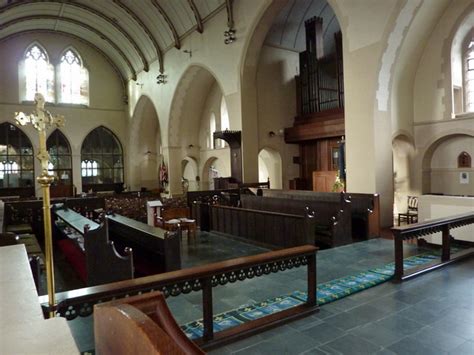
<point x="265" y="228"/>
<point x="365" y="208"/>
<point x="139" y="325"/>
<point x="332" y="219"/>
<point x="87" y="247"/>
<point x="155" y="250"/>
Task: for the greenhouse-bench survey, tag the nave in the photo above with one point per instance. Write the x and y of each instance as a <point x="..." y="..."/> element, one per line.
<point x="431" y="314"/>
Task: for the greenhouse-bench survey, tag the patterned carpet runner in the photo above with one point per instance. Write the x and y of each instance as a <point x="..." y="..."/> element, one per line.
<point x="326" y="292"/>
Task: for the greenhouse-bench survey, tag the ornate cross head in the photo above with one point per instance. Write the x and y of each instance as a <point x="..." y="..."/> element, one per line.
<point x="41" y="118"/>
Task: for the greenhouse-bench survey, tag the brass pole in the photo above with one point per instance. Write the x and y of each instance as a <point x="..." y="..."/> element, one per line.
<point x="41" y="119"/>
<point x="45" y="181"/>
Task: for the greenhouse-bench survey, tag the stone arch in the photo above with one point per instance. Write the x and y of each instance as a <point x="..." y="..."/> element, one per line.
<point x="145" y="146"/>
<point x="189" y="95"/>
<point x="190" y="172"/>
<point x="403" y="150"/>
<point x="206" y="183"/>
<point x="429" y="151"/>
<point x="270" y="167"/>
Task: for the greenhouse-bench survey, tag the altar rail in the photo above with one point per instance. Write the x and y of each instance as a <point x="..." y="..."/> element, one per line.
<point x="80" y="302"/>
<point x="417" y="230"/>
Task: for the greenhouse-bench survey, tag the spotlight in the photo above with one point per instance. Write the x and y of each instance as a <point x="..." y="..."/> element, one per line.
<point x="229" y="36"/>
<point x="161" y="79"/>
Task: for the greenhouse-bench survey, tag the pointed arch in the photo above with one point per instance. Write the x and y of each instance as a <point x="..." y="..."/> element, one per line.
<point x="102" y="166"/>
<point x="145" y="144"/>
<point x="72" y="78"/>
<point x="36" y="73"/>
<point x="16" y="160"/>
<point x="60" y="164"/>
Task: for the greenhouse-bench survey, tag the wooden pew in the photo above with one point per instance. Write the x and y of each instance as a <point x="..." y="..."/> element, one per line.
<point x="155" y="250"/>
<point x="332" y="219"/>
<point x="86" y="243"/>
<point x="365" y="209"/>
<point x="265" y="228"/>
<point x="139" y="325"/>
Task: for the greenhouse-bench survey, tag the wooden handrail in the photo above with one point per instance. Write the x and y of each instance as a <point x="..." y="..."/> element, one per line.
<point x="81" y="301"/>
<point x="416" y="230"/>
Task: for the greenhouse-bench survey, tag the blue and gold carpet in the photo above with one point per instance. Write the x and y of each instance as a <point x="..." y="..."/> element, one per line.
<point x="326" y="292"/>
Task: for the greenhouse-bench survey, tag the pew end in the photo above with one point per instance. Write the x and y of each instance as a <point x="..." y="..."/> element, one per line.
<point x="140" y="324"/>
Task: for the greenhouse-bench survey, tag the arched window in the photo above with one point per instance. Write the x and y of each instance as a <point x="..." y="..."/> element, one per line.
<point x="464" y="160"/>
<point x="73" y="79"/>
<point x="16" y="158"/>
<point x="469" y="76"/>
<point x="225" y="124"/>
<point x="101" y="160"/>
<point x="36" y="74"/>
<point x="60" y="164"/>
<point x="212" y="129"/>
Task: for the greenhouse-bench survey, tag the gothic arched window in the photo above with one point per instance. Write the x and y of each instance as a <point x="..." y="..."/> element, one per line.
<point x="73" y="79"/>
<point x="36" y="74"/>
<point x="469" y="76"/>
<point x="60" y="164"/>
<point x="101" y="158"/>
<point x="16" y="158"/>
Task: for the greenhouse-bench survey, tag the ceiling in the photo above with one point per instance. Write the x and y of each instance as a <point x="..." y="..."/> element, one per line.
<point x="130" y="33"/>
<point x="288" y="30"/>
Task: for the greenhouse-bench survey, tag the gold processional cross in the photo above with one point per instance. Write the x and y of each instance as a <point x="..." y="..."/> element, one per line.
<point x="42" y="119"/>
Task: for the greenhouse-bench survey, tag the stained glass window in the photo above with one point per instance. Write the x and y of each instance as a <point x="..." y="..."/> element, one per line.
<point x="73" y="79"/>
<point x="36" y="74"/>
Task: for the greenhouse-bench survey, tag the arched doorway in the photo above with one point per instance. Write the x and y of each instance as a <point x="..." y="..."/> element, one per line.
<point x="190" y="174"/>
<point x="403" y="153"/>
<point x="269" y="167"/>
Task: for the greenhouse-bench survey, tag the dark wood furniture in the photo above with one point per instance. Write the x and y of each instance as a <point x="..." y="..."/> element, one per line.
<point x="139" y="325"/>
<point x="332" y="218"/>
<point x="155" y="250"/>
<point x="417" y="230"/>
<point x="103" y="264"/>
<point x="173" y="218"/>
<point x="411" y="215"/>
<point x="203" y="278"/>
<point x="365" y="208"/>
<point x="265" y="228"/>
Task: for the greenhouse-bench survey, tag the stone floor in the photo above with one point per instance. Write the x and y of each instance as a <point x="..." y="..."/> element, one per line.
<point x="432" y="314"/>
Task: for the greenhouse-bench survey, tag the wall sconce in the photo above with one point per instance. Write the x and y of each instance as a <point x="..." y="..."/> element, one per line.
<point x="188" y="51"/>
<point x="229" y="36"/>
<point x="161" y="78"/>
<point x="139" y="84"/>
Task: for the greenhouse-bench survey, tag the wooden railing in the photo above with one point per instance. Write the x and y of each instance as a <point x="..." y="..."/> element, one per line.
<point x="417" y="230"/>
<point x="80" y="302"/>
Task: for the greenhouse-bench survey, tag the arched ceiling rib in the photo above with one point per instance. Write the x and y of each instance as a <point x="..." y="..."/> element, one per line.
<point x="177" y="42"/>
<point x="76" y="24"/>
<point x="127" y="31"/>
